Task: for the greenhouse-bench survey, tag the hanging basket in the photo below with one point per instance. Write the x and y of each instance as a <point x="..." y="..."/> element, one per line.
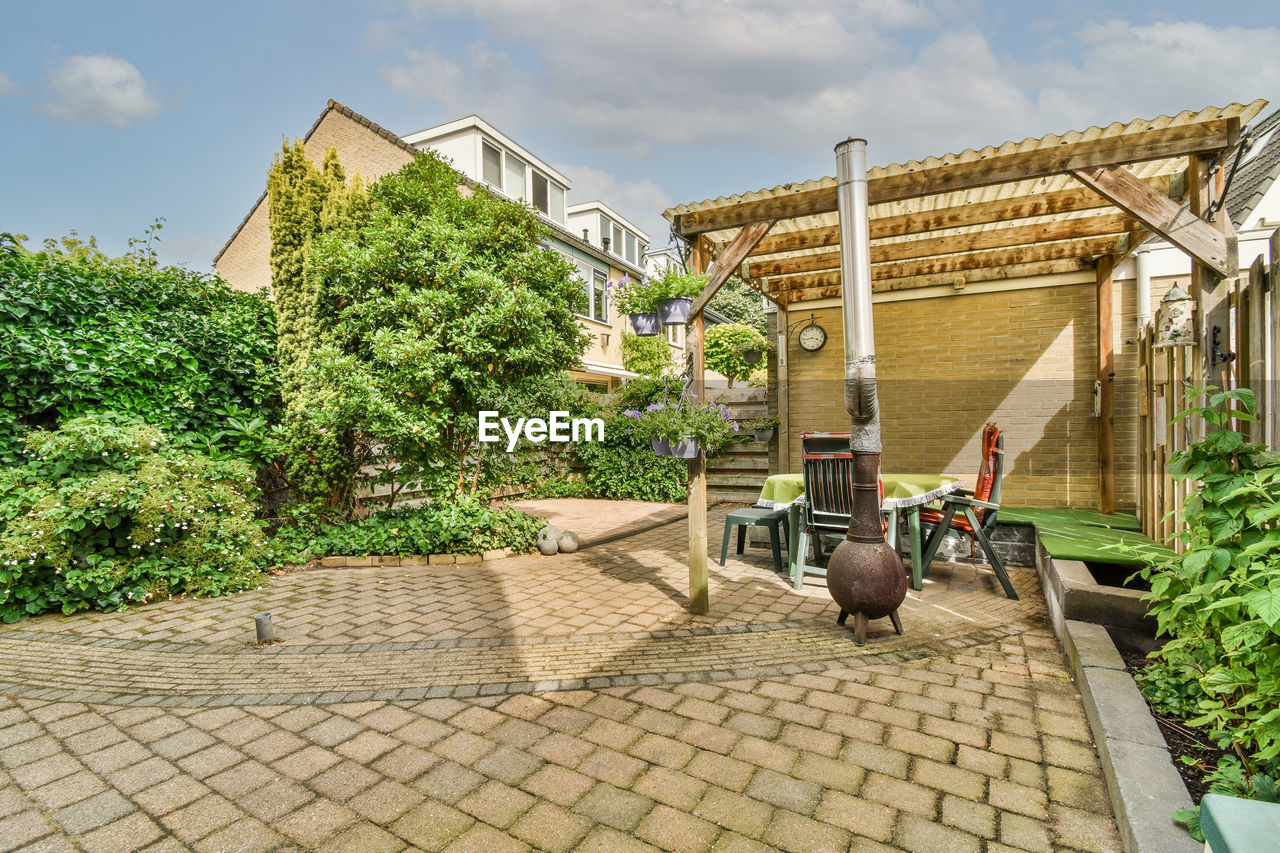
<point x="752" y="356"/>
<point x="687" y="449"/>
<point x="675" y="312"/>
<point x="661" y="446"/>
<point x="764" y="435"/>
<point x="646" y="325"/>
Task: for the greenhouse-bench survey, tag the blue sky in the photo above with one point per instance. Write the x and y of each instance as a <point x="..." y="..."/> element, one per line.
<point x="114" y="114"/>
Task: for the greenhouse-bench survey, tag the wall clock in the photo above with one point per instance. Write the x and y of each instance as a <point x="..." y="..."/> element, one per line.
<point x="813" y="337"/>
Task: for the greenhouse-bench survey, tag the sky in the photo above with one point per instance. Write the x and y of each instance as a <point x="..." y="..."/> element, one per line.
<point x="114" y="114"/>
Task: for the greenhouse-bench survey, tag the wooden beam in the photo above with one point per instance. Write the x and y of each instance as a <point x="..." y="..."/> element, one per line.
<point x="1088" y="248"/>
<point x="783" y="360"/>
<point x="996" y="238"/>
<point x="951" y="174"/>
<point x="798" y="292"/>
<point x="729" y="260"/>
<point x="1105" y="304"/>
<point x="962" y="216"/>
<point x="1176" y="224"/>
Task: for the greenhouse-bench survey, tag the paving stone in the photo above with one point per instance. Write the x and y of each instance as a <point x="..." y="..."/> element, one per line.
<point x="550" y="828"/>
<point x="971" y="817"/>
<point x="904" y="796"/>
<point x="1024" y="833"/>
<point x="485" y="839"/>
<point x="246" y="835"/>
<point x="1084" y="830"/>
<point x="861" y="817"/>
<point x="923" y="836"/>
<point x="385" y="801"/>
<point x="364" y="839"/>
<point x="431" y="826"/>
<point x="315" y="822"/>
<point x="614" y="807"/>
<point x="131" y="832"/>
<point x="785" y="792"/>
<point x="496" y="804"/>
<point x="605" y="840"/>
<point x="203" y="817"/>
<point x="673" y="788"/>
<point x="734" y="811"/>
<point x="798" y="834"/>
<point x="22" y="828"/>
<point x="676" y="830"/>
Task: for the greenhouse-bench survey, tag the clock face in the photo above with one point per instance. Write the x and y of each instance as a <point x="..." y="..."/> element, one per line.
<point x="813" y="337"/>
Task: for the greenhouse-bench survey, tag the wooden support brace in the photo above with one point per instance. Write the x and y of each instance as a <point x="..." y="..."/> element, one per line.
<point x="1181" y="227"/>
<point x="1106" y="376"/>
<point x="729" y="260"/>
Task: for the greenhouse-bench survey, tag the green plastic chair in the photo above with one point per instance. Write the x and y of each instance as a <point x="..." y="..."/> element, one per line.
<point x="755" y="516"/>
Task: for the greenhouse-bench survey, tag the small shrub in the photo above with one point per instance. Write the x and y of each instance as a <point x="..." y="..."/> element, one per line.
<point x="1219" y="601"/>
<point x="624" y="468"/>
<point x="463" y="525"/>
<point x="648" y="355"/>
<point x="726" y="345"/>
<point x="106" y="511"/>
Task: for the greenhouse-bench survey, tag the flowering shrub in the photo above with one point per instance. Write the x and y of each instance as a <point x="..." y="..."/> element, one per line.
<point x="708" y="423"/>
<point x="104" y="512"/>
<point x="727" y="345"/>
<point x="632" y="296"/>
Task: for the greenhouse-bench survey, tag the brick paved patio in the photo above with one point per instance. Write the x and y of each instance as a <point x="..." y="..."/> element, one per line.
<point x="565" y="703"/>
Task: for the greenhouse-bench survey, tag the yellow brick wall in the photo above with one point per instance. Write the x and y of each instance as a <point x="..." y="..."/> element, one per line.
<point x="1024" y="358"/>
<point x="246" y="263"/>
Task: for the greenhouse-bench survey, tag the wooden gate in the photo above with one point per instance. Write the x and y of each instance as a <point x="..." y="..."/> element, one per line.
<point x="1165" y="376"/>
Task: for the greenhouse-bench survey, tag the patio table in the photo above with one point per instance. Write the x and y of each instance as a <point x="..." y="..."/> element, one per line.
<point x="907" y="492"/>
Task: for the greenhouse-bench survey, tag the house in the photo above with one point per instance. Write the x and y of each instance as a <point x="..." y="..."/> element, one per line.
<point x="603" y="245"/>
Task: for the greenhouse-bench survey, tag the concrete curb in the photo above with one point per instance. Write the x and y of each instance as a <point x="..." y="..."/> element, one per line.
<point x="1144" y="787"/>
<point x="364" y="562"/>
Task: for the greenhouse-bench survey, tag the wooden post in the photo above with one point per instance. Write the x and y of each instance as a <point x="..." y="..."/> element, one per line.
<point x="699" y="592"/>
<point x="1211" y="300"/>
<point x="1106" y="376"/>
<point x="784" y="401"/>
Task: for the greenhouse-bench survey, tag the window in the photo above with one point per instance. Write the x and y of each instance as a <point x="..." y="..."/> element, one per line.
<point x="599" y="298"/>
<point x="631" y="247"/>
<point x="540" y="191"/>
<point x="557" y="203"/>
<point x="673" y="334"/>
<point x="616" y="245"/>
<point x="491" y="168"/>
<point x="595" y="285"/>
<point x="514" y="175"/>
<point x="606" y="229"/>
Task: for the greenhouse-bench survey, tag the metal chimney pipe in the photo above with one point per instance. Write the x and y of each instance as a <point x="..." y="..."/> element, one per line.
<point x="864" y="575"/>
<point x="855" y="288"/>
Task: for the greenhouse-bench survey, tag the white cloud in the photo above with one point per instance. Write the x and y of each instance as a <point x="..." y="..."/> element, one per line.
<point x="102" y="90"/>
<point x="640" y="201"/>
<point x="7" y="86"/>
<point x="787" y="81"/>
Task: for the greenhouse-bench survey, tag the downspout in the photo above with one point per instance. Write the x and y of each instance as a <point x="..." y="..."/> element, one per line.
<point x="1142" y="272"/>
<point x="864" y="576"/>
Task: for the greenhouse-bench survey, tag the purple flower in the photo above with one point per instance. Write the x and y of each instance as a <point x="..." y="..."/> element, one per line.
<point x="632" y="413"/>
<point x="655" y="407"/>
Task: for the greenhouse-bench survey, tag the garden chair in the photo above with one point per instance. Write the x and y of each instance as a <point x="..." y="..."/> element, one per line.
<point x="977" y="510"/>
<point x="828" y="505"/>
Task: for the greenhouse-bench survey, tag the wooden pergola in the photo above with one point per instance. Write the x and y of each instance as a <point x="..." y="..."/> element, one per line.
<point x="1079" y="201"/>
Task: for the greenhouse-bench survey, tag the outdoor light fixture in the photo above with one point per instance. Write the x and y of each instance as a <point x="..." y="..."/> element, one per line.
<point x="1175" y="320"/>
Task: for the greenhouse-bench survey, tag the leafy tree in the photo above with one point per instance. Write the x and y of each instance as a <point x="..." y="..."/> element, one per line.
<point x="81" y="332"/>
<point x="738" y="301"/>
<point x="444" y="304"/>
<point x="648" y="355"/>
<point x="725" y="346"/>
<point x="323" y="443"/>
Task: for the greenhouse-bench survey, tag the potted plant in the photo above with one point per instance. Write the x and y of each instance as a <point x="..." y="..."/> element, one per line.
<point x="763" y="428"/>
<point x="638" y="299"/>
<point x="674" y="295"/>
<point x="687" y="427"/>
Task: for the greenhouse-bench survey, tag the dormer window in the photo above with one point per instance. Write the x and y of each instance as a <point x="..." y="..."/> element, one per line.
<point x="491" y="168"/>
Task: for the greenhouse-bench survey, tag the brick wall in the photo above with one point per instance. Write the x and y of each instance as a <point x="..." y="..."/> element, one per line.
<point x="246" y="263"/>
<point x="1024" y="358"/>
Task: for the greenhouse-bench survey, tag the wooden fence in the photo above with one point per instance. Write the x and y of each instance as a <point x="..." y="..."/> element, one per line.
<point x="1165" y="376"/>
